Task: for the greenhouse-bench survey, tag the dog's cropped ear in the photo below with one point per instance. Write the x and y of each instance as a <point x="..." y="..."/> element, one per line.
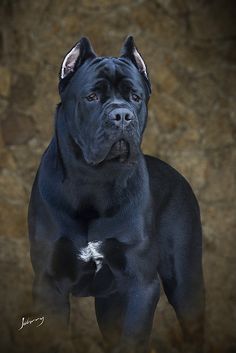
<point x="77" y="55"/>
<point x="130" y="51"/>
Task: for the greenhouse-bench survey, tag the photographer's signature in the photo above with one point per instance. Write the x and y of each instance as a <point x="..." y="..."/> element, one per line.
<point x="28" y="321"/>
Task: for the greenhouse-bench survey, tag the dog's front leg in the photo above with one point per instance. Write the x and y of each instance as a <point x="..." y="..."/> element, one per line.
<point x="141" y="301"/>
<point x="126" y="318"/>
<point x="51" y="300"/>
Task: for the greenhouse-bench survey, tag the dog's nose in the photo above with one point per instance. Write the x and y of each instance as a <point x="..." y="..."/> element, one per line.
<point x="121" y="117"/>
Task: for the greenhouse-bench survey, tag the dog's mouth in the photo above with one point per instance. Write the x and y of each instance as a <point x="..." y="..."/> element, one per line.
<point x="119" y="151"/>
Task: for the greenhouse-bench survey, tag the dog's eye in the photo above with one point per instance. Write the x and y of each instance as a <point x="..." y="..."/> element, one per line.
<point x="92" y="97"/>
<point x="135" y="97"/>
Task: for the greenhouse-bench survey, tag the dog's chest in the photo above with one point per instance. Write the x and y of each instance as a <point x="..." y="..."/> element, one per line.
<point x="92" y="252"/>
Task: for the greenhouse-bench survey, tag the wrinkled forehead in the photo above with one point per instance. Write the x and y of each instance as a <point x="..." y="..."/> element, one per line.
<point x="109" y="69"/>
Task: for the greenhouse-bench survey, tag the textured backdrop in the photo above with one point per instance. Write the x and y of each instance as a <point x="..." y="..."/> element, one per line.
<point x="189" y="47"/>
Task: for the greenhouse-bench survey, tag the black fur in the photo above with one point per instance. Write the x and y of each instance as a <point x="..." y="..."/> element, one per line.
<point x="94" y="184"/>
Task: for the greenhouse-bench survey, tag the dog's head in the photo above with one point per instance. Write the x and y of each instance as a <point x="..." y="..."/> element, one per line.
<point x="104" y="100"/>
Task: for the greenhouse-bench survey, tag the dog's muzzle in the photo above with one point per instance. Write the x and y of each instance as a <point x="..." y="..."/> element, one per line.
<point x="121" y="117"/>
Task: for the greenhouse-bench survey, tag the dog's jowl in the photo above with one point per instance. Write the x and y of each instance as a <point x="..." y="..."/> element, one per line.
<point x="107" y="221"/>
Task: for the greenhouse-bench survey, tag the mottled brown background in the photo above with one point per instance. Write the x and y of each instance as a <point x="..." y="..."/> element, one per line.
<point x="189" y="47"/>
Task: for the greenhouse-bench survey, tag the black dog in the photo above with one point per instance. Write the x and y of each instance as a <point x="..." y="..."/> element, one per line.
<point x="107" y="221"/>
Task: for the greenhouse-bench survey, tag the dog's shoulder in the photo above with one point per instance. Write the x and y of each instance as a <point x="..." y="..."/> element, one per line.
<point x="161" y="172"/>
<point x="167" y="183"/>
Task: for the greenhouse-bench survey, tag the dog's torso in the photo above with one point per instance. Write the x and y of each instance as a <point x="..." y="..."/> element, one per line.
<point x="94" y="234"/>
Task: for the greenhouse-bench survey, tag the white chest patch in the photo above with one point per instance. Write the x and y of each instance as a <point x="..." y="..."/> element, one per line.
<point x="92" y="252"/>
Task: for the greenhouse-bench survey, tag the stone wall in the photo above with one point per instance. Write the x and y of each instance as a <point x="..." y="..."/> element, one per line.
<point x="189" y="47"/>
